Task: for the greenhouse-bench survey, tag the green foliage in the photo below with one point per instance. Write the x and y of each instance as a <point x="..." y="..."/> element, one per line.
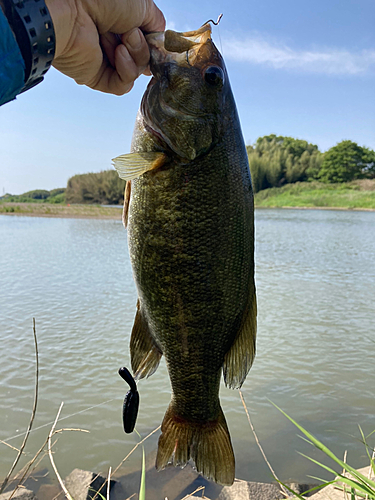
<point x="58" y="198"/>
<point x="274" y="161"/>
<point x="354" y="195"/>
<point x="347" y="161"/>
<point x="38" y="196"/>
<point x="355" y="483"/>
<point x="105" y="188"/>
<point x="277" y="160"/>
<point x="56" y="192"/>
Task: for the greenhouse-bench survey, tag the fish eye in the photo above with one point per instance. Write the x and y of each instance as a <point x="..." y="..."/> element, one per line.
<point x="214" y="76"/>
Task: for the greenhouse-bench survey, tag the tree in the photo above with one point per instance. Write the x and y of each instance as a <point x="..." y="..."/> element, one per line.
<point x="103" y="187"/>
<point x="276" y="160"/>
<point x="347" y="161"/>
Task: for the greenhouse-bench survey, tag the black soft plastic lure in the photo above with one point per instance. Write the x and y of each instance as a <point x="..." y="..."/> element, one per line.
<point x="131" y="401"/>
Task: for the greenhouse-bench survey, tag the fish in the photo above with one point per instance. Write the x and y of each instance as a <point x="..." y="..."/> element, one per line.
<point x="189" y="212"/>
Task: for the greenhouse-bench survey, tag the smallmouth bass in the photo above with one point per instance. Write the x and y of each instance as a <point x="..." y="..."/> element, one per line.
<point x="189" y="210"/>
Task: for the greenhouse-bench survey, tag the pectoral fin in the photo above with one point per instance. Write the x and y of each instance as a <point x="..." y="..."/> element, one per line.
<point x="133" y="165"/>
<point x="145" y="355"/>
<point x="240" y="357"/>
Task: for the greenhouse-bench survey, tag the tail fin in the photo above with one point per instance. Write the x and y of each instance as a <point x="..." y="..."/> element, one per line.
<point x="208" y="444"/>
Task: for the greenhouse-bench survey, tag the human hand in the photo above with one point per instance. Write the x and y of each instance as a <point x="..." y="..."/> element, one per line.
<point x="100" y="44"/>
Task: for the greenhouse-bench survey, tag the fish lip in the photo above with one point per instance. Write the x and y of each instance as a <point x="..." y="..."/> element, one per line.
<point x="155" y="42"/>
<point x="180" y="48"/>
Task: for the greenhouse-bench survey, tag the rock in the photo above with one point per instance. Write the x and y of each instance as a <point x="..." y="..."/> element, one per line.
<point x="209" y="489"/>
<point x="176" y="480"/>
<point x="301" y="488"/>
<point x="170" y="482"/>
<point x="49" y="491"/>
<point x="245" y="490"/>
<point x="195" y="497"/>
<point x="83" y="485"/>
<point x="248" y="490"/>
<point x="21" y="494"/>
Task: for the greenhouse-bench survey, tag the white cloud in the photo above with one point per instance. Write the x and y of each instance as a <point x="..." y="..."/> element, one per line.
<point x="332" y="61"/>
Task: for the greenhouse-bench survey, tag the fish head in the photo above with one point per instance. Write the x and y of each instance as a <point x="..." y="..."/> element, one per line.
<point x="184" y="101"/>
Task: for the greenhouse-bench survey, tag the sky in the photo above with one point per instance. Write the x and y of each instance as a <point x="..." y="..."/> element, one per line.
<point x="304" y="69"/>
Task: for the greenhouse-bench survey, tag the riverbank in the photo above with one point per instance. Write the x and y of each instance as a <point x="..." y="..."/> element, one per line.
<point x="355" y="195"/>
<point x="174" y="483"/>
<point x="60" y="210"/>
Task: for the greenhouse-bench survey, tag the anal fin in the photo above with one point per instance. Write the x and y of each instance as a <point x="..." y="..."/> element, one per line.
<point x="240" y="357"/>
<point x="145" y="355"/>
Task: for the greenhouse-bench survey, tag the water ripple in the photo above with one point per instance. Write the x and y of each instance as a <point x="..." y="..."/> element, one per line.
<point x="315" y="278"/>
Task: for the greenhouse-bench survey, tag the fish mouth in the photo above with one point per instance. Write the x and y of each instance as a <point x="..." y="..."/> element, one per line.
<point x="184" y="49"/>
<point x="181" y="48"/>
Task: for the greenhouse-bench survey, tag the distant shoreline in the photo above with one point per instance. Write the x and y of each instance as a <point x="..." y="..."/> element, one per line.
<point x="113" y="213"/>
<point x="63" y="216"/>
<point x="61" y="211"/>
<point x="345" y="209"/>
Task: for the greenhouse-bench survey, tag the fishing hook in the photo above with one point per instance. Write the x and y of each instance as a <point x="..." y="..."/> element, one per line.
<point x="213" y="22"/>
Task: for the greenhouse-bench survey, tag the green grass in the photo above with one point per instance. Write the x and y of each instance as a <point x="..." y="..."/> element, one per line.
<point x="351" y="195"/>
<point x="60" y="210"/>
<point x="351" y="481"/>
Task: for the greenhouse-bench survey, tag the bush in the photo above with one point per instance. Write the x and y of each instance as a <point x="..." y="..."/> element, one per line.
<point x="57" y="191"/>
<point x="58" y="198"/>
<point x="105" y="188"/>
<point x="37" y="194"/>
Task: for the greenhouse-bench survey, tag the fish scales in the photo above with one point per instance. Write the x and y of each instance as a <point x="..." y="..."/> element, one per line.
<point x="191" y="242"/>
<point x="192" y="283"/>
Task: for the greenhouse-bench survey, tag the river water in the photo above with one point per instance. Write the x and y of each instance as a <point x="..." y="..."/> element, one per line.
<point x="315" y="275"/>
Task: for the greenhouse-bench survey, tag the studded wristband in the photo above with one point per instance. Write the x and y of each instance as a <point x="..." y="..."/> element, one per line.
<point x="32" y="25"/>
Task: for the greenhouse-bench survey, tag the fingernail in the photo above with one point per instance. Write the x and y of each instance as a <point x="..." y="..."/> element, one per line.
<point x="134" y="39"/>
<point x="145" y="71"/>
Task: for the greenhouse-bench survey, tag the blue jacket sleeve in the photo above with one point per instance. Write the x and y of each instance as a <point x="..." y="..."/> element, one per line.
<point x="12" y="66"/>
